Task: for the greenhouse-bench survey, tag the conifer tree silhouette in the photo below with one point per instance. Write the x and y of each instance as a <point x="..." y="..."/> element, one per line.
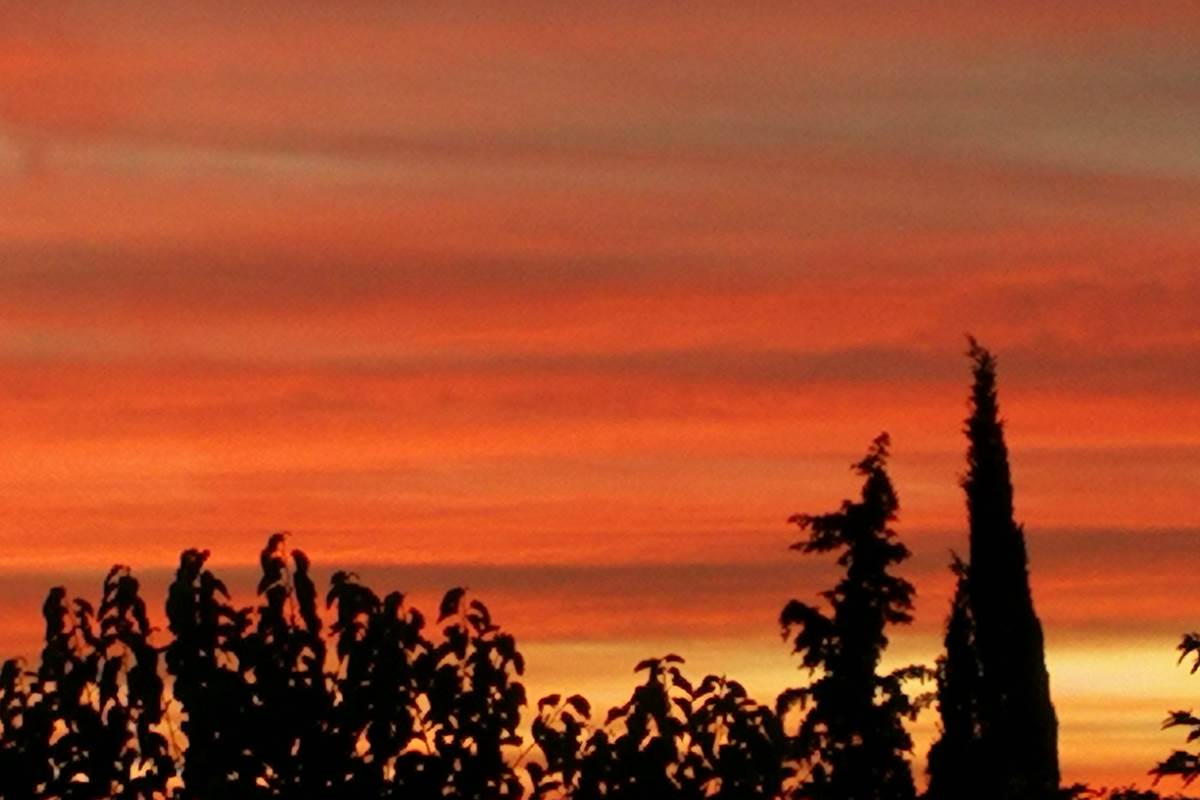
<point x="953" y="765"/>
<point x="1018" y="726"/>
<point x="851" y="743"/>
<point x="275" y="701"/>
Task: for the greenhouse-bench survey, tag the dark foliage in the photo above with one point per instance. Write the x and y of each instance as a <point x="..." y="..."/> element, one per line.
<point x="851" y="743"/>
<point x="360" y="697"/>
<point x="88" y="723"/>
<point x="270" y="703"/>
<point x="1083" y="792"/>
<point x="209" y="661"/>
<point x="1018" y="726"/>
<point x="1182" y="764"/>
<point x="670" y="740"/>
<point x="954" y="759"/>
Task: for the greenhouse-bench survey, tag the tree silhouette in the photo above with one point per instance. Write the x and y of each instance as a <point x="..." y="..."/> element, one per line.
<point x="671" y="740"/>
<point x="209" y="661"/>
<point x="266" y="710"/>
<point x="1018" y="726"/>
<point x="362" y="699"/>
<point x="290" y="700"/>
<point x="851" y="743"/>
<point x="88" y="723"/>
<point x="384" y="668"/>
<point x="954" y="758"/>
<point x="25" y="765"/>
<point x="474" y="703"/>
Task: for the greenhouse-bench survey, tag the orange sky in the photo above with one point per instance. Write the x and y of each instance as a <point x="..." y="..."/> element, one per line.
<point x="577" y="306"/>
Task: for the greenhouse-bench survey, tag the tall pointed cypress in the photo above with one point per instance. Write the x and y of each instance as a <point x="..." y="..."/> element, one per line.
<point x="1019" y="730"/>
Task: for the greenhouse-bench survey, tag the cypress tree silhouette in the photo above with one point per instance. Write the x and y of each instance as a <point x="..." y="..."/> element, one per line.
<point x="852" y="741"/>
<point x="1018" y="725"/>
<point x="277" y="704"/>
<point x="954" y="758"/>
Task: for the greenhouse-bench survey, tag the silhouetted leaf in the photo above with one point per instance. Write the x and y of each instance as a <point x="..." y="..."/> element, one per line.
<point x="450" y="603"/>
<point x="580" y="704"/>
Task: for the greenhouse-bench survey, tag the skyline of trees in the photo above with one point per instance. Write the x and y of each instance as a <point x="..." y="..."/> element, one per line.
<point x="369" y="699"/>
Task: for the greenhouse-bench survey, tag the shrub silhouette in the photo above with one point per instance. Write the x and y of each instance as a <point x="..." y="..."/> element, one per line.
<point x="670" y="740"/>
<point x="851" y="743"/>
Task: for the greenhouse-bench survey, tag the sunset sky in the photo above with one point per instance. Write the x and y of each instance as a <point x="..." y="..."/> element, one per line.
<point x="576" y="305"/>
